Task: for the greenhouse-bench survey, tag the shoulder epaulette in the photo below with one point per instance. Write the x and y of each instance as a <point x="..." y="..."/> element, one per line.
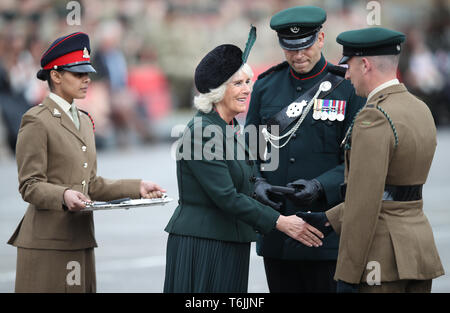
<point x="273" y="69"/>
<point x="337" y="70"/>
<point x="349" y="131"/>
<point x="394" y="130"/>
<point x="90" y="117"/>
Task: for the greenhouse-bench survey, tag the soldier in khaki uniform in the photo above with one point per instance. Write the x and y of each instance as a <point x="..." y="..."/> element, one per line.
<point x="386" y="242"/>
<point x="57" y="170"/>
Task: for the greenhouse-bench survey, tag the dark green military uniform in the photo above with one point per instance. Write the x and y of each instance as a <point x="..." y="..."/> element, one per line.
<point x="313" y="151"/>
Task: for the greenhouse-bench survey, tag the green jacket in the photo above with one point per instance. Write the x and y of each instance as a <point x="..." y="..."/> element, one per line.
<point x="313" y="152"/>
<point x="214" y="189"/>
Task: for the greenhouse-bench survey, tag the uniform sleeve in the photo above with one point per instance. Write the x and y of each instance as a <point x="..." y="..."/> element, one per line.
<point x="332" y="179"/>
<point x="103" y="189"/>
<point x="371" y="147"/>
<point x="32" y="158"/>
<point x="215" y="179"/>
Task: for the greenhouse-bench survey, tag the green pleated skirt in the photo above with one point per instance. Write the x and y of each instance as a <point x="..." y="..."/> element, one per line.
<point x="206" y="265"/>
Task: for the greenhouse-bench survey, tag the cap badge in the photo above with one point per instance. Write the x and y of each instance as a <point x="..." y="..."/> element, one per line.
<point x="85" y="53"/>
<point x="398" y="47"/>
<point x="295" y="29"/>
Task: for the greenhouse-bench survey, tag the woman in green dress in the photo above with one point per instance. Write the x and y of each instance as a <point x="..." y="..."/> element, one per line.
<point x="210" y="232"/>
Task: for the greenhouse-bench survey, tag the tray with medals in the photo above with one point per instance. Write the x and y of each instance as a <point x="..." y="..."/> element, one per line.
<point x="126" y="203"/>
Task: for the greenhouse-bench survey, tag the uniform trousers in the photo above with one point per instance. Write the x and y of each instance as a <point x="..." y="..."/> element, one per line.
<point x="294" y="276"/>
<point x="55" y="271"/>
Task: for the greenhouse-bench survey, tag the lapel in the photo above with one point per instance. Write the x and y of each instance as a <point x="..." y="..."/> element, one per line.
<point x="215" y="119"/>
<point x="65" y="121"/>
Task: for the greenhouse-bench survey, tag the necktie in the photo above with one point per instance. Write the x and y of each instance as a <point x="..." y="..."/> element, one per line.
<point x="73" y="110"/>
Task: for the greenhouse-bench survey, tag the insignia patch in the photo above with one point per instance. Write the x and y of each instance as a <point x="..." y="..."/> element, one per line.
<point x="86" y="53"/>
<point x="295" y="108"/>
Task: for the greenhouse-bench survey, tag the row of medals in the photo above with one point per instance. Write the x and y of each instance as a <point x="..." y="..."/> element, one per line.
<point x="333" y="111"/>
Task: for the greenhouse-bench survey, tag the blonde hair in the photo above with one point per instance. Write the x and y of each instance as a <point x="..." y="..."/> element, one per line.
<point x="204" y="102"/>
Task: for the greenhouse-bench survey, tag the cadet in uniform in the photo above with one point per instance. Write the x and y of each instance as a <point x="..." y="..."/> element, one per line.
<point x="57" y="171"/>
<point x="313" y="105"/>
<point x="384" y="235"/>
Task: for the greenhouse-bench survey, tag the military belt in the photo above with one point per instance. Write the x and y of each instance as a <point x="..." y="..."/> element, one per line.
<point x="396" y="193"/>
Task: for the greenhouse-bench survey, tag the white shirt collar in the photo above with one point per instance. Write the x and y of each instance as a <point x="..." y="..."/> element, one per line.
<point x="65" y="106"/>
<point x="383" y="86"/>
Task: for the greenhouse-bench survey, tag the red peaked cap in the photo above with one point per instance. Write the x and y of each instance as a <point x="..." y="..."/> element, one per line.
<point x="71" y="52"/>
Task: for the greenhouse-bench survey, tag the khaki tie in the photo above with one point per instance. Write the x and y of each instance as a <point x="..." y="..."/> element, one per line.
<point x="74" y="111"/>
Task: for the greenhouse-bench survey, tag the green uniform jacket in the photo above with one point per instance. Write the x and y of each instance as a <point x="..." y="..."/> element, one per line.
<point x="215" y="181"/>
<point x="313" y="152"/>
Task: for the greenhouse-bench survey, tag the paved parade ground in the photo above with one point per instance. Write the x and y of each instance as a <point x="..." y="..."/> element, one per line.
<point x="132" y="243"/>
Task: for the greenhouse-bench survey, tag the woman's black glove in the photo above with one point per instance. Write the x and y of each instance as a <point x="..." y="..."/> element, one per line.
<point x="306" y="192"/>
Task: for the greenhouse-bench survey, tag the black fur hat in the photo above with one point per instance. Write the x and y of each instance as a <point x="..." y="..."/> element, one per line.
<point x="217" y="67"/>
<point x="221" y="63"/>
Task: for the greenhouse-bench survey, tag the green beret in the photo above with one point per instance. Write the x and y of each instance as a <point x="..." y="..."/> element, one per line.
<point x="297" y="27"/>
<point x="369" y="42"/>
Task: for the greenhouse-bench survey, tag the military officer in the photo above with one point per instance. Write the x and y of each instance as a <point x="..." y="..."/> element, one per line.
<point x="311" y="104"/>
<point x="386" y="242"/>
<point x="57" y="171"/>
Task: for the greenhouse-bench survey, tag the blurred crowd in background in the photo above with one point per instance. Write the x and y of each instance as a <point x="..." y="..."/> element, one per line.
<point x="145" y="53"/>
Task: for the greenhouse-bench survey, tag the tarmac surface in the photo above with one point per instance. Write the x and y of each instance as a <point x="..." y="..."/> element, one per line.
<point x="132" y="243"/>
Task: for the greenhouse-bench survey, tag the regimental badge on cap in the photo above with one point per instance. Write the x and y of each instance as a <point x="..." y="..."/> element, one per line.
<point x="295" y="29"/>
<point x="295" y="109"/>
<point x="86" y="53"/>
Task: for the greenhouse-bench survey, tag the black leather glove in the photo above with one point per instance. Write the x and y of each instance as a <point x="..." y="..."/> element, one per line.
<point x="316" y="219"/>
<point x="307" y="191"/>
<point x="343" y="287"/>
<point x="262" y="188"/>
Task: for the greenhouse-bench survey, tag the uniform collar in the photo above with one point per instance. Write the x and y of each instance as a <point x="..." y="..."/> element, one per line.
<point x="383" y="93"/>
<point x="316" y="70"/>
<point x="214" y="117"/>
<point x="63" y="104"/>
<point x="381" y="87"/>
